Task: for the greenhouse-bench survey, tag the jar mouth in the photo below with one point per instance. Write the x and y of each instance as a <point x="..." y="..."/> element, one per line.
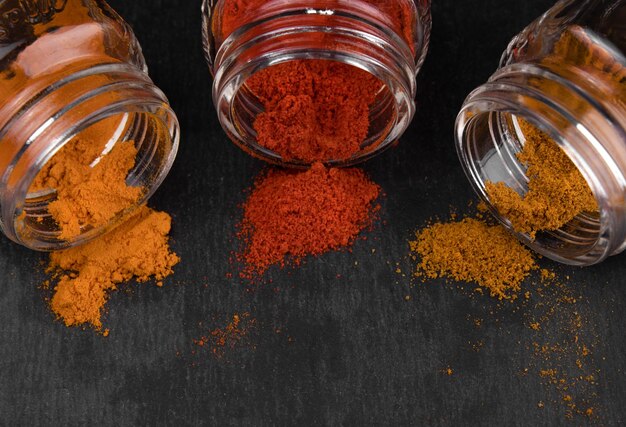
<point x="134" y="111"/>
<point x="387" y="120"/>
<point x="156" y="146"/>
<point x="270" y="43"/>
<point x="488" y="145"/>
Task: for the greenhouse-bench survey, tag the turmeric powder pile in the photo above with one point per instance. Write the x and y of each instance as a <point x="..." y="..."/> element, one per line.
<point x="89" y="177"/>
<point x="472" y="250"/>
<point x="90" y="187"/>
<point x="557" y="191"/>
<point x="137" y="249"/>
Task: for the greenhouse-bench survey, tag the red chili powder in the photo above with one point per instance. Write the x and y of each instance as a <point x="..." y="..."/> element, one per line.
<point x="294" y="214"/>
<point x="315" y="110"/>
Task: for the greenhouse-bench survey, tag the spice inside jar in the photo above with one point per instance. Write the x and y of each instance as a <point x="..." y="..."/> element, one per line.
<point x="285" y="73"/>
<point x="544" y="140"/>
<point x="87" y="180"/>
<point x="557" y="192"/>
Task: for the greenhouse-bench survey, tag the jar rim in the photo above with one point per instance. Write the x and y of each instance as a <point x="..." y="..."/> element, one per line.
<point x="251" y="49"/>
<point x="504" y="95"/>
<point x="136" y="98"/>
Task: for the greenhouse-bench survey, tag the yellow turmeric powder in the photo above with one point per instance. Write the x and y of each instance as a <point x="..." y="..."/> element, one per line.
<point x="136" y="249"/>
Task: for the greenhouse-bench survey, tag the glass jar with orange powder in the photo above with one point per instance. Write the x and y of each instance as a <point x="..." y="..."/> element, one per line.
<point x="73" y="81"/>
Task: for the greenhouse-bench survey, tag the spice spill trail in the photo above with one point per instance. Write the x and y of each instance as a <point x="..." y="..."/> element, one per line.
<point x="235" y="334"/>
<point x="562" y="343"/>
<point x="293" y="214"/>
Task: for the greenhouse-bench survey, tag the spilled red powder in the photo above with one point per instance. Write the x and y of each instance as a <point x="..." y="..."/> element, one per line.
<point x="315" y="110"/>
<point x="221" y="339"/>
<point x="291" y="214"/>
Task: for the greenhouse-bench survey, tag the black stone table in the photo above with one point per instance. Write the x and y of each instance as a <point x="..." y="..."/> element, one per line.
<point x="336" y="342"/>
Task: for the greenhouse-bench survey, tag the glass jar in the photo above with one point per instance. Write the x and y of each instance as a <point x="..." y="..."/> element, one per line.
<point x="65" y="67"/>
<point x="387" y="40"/>
<point x="566" y="75"/>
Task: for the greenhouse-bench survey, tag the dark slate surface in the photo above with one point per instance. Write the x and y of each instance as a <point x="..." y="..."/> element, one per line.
<point x="351" y="350"/>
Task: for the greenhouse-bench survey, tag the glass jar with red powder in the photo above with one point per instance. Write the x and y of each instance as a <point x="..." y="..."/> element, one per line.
<point x="298" y="82"/>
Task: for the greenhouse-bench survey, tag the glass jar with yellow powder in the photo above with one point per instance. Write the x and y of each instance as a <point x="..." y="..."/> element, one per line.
<point x="544" y="140"/>
<point x="85" y="135"/>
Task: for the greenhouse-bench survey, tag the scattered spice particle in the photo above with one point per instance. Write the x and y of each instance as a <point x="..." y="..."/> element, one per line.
<point x="234" y="334"/>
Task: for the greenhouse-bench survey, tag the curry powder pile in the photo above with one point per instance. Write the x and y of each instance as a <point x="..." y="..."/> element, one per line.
<point x="473" y="251"/>
<point x="557" y="191"/>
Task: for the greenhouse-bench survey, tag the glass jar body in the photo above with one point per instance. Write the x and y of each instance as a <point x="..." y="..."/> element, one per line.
<point x="66" y="66"/>
<point x="387" y="40"/>
<point x="566" y="75"/>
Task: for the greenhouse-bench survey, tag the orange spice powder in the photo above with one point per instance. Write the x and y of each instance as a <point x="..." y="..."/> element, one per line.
<point x="138" y="249"/>
<point x="90" y="187"/>
<point x="90" y="183"/>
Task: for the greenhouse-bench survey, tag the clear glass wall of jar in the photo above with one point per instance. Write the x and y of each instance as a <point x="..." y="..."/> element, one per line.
<point x="566" y="75"/>
<point x="388" y="39"/>
<point x="65" y="66"/>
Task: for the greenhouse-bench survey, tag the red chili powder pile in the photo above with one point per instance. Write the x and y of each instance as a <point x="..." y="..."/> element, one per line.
<point x="315" y="110"/>
<point x="291" y="214"/>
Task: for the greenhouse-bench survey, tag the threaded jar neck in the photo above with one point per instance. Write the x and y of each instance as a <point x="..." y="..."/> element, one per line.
<point x="573" y="110"/>
<point x="311" y="34"/>
<point x="40" y="125"/>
